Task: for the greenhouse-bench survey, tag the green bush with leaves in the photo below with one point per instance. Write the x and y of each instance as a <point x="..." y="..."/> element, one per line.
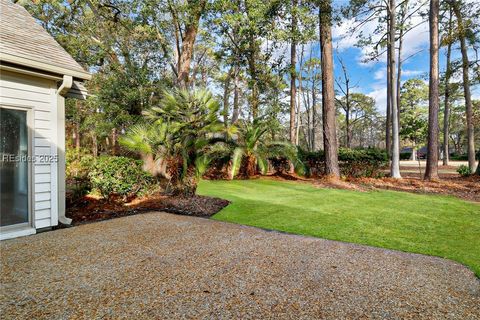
<point x="118" y="176"/>
<point x="459" y="157"/>
<point x="78" y="165"/>
<point x="464" y="170"/>
<point x="367" y="162"/>
<point x="405" y="156"/>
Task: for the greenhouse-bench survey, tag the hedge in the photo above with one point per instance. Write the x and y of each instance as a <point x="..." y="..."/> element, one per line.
<point x="367" y="162"/>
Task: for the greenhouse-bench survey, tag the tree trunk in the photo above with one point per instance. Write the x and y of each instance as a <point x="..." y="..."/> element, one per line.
<point x="347" y="122"/>
<point x="399" y="74"/>
<point x="446" y="113"/>
<point x="466" y="87"/>
<point x="314" y="116"/>
<point x="293" y="72"/>
<point x="94" y="145"/>
<point x="388" y="121"/>
<point x="236" y="107"/>
<point x="77" y="137"/>
<point x="226" y="96"/>
<point x="399" y="62"/>
<point x="299" y="104"/>
<point x="248" y="167"/>
<point x="254" y="98"/>
<point x="77" y="129"/>
<point x="431" y="170"/>
<point x="328" y="92"/>
<point x="114" y="142"/>
<point x="395" y="165"/>
<point x="187" y="186"/>
<point x="196" y="9"/>
<point x="186" y="56"/>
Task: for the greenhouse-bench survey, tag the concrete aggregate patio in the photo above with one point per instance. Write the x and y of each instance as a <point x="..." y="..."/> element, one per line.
<point x="164" y="266"/>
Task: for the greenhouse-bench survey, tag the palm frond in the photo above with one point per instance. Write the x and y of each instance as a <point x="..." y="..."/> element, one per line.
<point x="236" y="160"/>
<point x="262" y="163"/>
<point x="201" y="164"/>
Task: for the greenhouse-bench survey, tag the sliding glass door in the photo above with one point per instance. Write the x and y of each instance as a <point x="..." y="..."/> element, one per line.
<point x="14" y="167"/>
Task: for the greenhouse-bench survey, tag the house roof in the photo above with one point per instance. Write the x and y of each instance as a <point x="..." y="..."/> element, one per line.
<point x="24" y="42"/>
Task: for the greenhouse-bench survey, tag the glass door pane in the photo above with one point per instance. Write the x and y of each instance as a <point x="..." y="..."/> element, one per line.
<point x="13" y="167"/>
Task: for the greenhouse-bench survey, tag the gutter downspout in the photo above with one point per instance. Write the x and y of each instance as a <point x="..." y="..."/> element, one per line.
<point x="61" y="92"/>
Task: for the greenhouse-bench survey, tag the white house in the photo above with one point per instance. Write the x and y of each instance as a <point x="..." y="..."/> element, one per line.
<point x="36" y="74"/>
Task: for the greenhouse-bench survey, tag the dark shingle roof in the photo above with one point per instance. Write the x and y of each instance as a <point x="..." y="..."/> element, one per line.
<point x="23" y="41"/>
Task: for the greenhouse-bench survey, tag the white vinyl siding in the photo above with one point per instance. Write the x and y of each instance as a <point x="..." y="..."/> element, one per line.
<point x="40" y="96"/>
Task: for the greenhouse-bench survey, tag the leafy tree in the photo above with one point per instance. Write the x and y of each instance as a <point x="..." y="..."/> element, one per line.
<point x="358" y="107"/>
<point x="414" y="119"/>
<point x="466" y="33"/>
<point x="249" y="29"/>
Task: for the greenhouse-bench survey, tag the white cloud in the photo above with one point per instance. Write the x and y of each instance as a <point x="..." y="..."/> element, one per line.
<point x="380" y="74"/>
<point x="379" y="93"/>
<point x="342" y="36"/>
<point x="411" y="73"/>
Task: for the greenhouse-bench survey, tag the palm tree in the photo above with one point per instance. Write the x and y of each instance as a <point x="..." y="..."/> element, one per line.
<point x="180" y="131"/>
<point x="252" y="150"/>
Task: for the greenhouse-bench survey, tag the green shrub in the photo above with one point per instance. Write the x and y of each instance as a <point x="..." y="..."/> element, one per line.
<point x="459" y="157"/>
<point x="464" y="170"/>
<point x="367" y="162"/>
<point x="405" y="156"/>
<point x="79" y="168"/>
<point x="118" y="176"/>
<point x="78" y="165"/>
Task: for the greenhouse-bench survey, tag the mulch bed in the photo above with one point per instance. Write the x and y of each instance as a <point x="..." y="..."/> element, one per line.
<point x="91" y="209"/>
<point x="466" y="188"/>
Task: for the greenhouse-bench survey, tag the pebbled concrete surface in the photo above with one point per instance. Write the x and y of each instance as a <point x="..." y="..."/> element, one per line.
<point x="165" y="266"/>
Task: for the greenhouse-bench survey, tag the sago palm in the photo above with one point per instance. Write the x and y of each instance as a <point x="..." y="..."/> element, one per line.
<point x="254" y="150"/>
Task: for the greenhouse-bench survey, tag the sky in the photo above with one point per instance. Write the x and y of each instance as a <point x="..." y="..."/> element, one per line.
<point x="371" y="77"/>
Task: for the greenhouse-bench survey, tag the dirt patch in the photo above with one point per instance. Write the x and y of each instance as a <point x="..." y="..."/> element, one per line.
<point x="90" y="209"/>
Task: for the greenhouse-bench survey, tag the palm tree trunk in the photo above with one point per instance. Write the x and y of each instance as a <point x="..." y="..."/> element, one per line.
<point x="431" y="170"/>
<point x="328" y="93"/>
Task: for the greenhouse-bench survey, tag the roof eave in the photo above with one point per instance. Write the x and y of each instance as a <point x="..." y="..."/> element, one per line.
<point x="82" y="75"/>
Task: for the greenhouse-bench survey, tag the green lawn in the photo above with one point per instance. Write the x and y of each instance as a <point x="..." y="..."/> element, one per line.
<point x="434" y="225"/>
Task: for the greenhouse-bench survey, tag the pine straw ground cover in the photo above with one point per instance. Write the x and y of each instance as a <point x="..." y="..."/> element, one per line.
<point x="436" y="225"/>
<point x="467" y="188"/>
<point x="91" y="208"/>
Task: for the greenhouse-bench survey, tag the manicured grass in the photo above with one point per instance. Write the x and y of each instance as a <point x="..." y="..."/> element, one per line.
<point x="434" y="225"/>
